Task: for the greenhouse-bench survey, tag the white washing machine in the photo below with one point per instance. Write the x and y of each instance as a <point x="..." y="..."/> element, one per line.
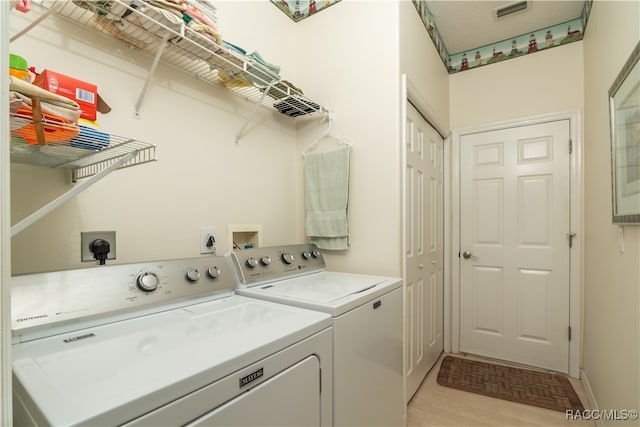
<point x="164" y="343"/>
<point x="367" y="326"/>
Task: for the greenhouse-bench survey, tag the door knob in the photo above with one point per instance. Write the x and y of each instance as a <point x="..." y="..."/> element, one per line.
<point x="468" y="255"/>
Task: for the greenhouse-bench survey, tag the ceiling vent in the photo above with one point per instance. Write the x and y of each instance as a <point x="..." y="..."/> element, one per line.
<point x="510" y="8"/>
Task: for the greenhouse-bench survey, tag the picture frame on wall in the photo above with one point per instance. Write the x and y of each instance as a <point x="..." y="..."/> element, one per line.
<point x="624" y="112"/>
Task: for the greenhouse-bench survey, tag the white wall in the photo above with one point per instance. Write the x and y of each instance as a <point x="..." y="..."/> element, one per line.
<point x="201" y="177"/>
<point x="353" y="55"/>
<point x="420" y="61"/>
<point x="579" y="75"/>
<point x="611" y="358"/>
<point x="5" y="244"/>
<point x="348" y="55"/>
<point x="344" y="62"/>
<point x="548" y="81"/>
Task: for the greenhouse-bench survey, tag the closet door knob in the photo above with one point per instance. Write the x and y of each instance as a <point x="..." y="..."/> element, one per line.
<point x="468" y="255"/>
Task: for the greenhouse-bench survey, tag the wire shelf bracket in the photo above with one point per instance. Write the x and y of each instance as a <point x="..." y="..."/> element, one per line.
<point x="152" y="71"/>
<point x="253" y="112"/>
<point x="49" y="207"/>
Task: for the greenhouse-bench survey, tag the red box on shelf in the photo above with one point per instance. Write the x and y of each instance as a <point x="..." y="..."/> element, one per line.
<point x="85" y="94"/>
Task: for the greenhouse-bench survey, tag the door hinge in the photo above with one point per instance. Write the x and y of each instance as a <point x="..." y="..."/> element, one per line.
<point x="570" y="146"/>
<point x="569" y="333"/>
<point x="570" y="236"/>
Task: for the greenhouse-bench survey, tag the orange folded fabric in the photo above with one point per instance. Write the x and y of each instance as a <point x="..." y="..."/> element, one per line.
<point x="56" y="129"/>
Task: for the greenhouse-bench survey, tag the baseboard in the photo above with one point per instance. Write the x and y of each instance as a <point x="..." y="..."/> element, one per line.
<point x="593" y="405"/>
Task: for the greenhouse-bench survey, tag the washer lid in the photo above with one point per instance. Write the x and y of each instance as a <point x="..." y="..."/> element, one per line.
<point x="111" y="374"/>
<point x="331" y="292"/>
<point x="320" y="288"/>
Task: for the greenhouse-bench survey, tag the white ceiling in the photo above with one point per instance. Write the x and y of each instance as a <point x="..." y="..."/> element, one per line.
<point x="466" y="25"/>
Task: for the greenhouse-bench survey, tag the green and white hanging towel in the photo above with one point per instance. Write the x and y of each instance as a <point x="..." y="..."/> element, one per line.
<point x="326" y="177"/>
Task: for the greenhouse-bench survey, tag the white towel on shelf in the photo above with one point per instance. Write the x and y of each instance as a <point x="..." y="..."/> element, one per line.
<point x="326" y="178"/>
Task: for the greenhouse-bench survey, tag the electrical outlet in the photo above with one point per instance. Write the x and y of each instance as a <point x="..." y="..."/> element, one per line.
<point x="86" y="237"/>
<point x="207" y="240"/>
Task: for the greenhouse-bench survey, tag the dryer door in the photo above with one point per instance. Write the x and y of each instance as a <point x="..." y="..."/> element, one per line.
<point x="291" y="398"/>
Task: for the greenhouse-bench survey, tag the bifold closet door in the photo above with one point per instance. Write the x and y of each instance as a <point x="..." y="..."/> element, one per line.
<point x="424" y="278"/>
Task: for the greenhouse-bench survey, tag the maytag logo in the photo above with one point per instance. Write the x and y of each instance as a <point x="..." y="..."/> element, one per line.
<point x="248" y="379"/>
<point x="79" y="337"/>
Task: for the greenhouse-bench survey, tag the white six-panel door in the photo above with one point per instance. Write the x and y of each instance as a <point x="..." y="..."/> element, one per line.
<point x="424" y="248"/>
<point x="514" y="248"/>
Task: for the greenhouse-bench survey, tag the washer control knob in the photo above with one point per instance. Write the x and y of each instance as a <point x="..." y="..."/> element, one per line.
<point x="306" y="254"/>
<point x="213" y="272"/>
<point x="252" y="262"/>
<point x="147" y="282"/>
<point x="315" y="253"/>
<point x="193" y="275"/>
<point x="287" y="257"/>
<point x="265" y="260"/>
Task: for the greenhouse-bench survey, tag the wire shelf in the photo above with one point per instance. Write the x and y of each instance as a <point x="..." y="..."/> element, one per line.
<point x="157" y="32"/>
<point x="85" y="153"/>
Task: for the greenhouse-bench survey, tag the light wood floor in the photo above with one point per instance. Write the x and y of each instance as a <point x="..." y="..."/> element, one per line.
<point x="435" y="405"/>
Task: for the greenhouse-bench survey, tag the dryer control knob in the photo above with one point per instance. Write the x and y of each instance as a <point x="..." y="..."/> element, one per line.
<point x="147" y="282"/>
<point x="287" y="257"/>
<point x="213" y="272"/>
<point x="315" y="253"/>
<point x="306" y="254"/>
<point x="265" y="260"/>
<point x="252" y="262"/>
<point x="193" y="275"/>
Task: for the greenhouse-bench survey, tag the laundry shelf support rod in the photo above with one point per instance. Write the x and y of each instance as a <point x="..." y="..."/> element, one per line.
<point x="36" y="22"/>
<point x="40" y="213"/>
<point x="255" y="109"/>
<point x="152" y="71"/>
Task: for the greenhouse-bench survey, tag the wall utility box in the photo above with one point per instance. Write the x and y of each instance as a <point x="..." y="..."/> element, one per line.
<point x="245" y="236"/>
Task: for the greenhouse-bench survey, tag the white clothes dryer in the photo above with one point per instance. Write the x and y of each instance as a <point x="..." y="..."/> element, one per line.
<point x="164" y="343"/>
<point x="367" y="326"/>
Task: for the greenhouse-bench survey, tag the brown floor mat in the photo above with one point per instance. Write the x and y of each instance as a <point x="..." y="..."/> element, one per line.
<point x="542" y="389"/>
